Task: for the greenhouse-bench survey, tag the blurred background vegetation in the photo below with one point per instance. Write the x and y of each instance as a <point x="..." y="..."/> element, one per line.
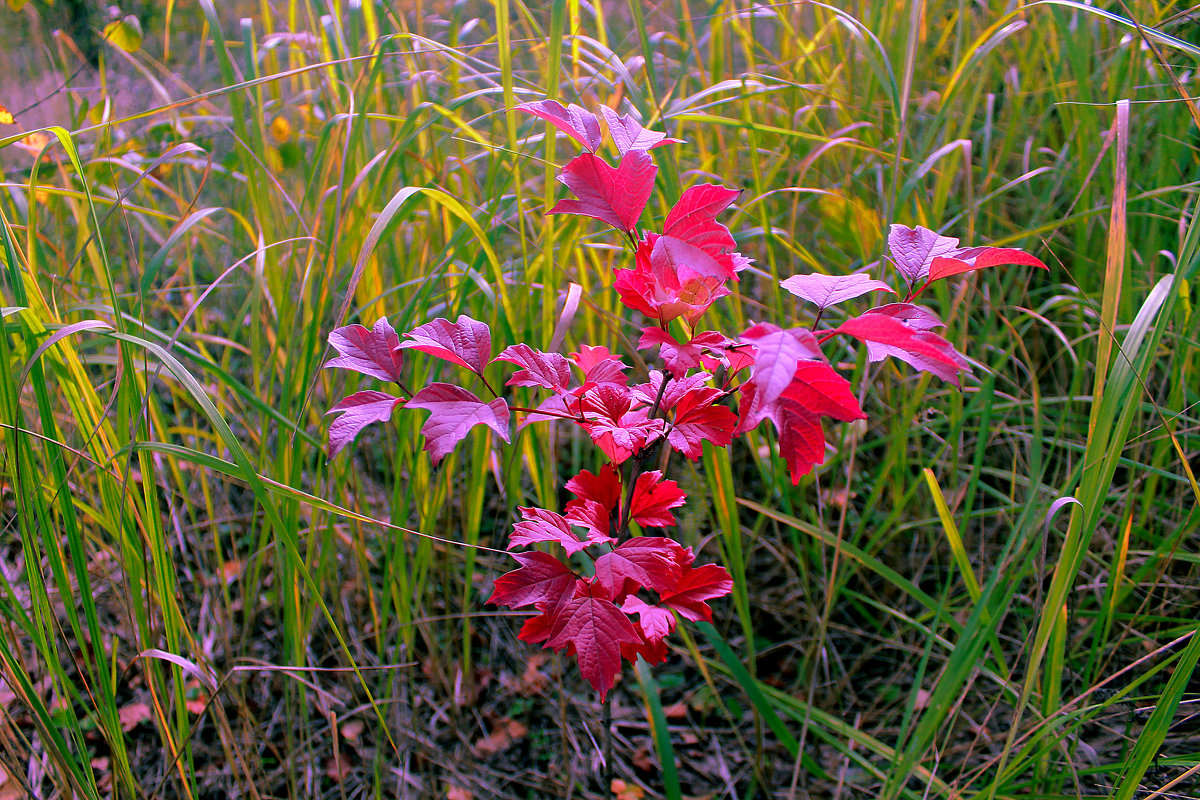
<point x="197" y="603"/>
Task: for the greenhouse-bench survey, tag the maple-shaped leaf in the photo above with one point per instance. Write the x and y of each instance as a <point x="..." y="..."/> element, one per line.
<point x="914" y="249"/>
<point x="357" y="412"/>
<point x="453" y="412"/>
<point x="649" y="650"/>
<point x="612" y="195"/>
<point x="540" y="525"/>
<point x="887" y="336"/>
<point x="653" y="562"/>
<point x="679" y="358"/>
<point x="974" y="258"/>
<point x="540" y="578"/>
<point x="696" y="585"/>
<point x="549" y="370"/>
<point x="628" y="134"/>
<point x="603" y="488"/>
<point x="829" y="290"/>
<point x="653" y="499"/>
<point x="694" y="218"/>
<point x="819" y="388"/>
<point x="466" y="342"/>
<point x="593" y="517"/>
<point x="672" y="278"/>
<point x="600" y="365"/>
<point x="575" y="121"/>
<point x="656" y="622"/>
<point x="697" y="420"/>
<point x="595" y="628"/>
<point x="619" y="429"/>
<point x="373" y="352"/>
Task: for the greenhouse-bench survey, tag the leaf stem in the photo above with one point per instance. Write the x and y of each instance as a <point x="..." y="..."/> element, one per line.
<point x="606" y="724"/>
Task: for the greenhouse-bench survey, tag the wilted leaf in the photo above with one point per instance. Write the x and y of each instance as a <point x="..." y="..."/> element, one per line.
<point x="125" y="33"/>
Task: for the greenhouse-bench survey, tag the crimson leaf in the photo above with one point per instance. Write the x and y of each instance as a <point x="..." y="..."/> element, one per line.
<point x="694" y="218"/>
<point x="615" y="196"/>
<point x="695" y="586"/>
<point x="679" y="358"/>
<point x="550" y="370"/>
<point x="980" y="258"/>
<point x="604" y="488"/>
<point x="699" y="420"/>
<point x="575" y="121"/>
<point x="467" y="342"/>
<point x="453" y="412"/>
<point x="357" y="412"/>
<point x="628" y="134"/>
<point x="887" y="336"/>
<point x="653" y="499"/>
<point x="372" y="352"/>
<point x="595" y="628"/>
<point x="649" y="561"/>
<point x="541" y="577"/>
<point x="829" y="290"/>
<point x="540" y="525"/>
<point x="801" y="438"/>
<point x="821" y="390"/>
<point x="914" y="249"/>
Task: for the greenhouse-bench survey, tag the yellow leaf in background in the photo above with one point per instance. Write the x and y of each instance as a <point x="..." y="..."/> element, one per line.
<point x="6" y="117"/>
<point x="34" y="142"/>
<point x="124" y="33"/>
<point x="281" y="129"/>
<point x="17" y="5"/>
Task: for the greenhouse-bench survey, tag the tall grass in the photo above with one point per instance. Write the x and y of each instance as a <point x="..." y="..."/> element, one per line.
<point x="196" y="602"/>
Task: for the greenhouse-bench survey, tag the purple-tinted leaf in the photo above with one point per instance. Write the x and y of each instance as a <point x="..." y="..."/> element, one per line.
<point x="914" y="249"/>
<point x="628" y="134"/>
<point x="541" y="578"/>
<point x="829" y="290"/>
<point x="916" y="317"/>
<point x="357" y="412"/>
<point x="616" y="196"/>
<point x="596" y="628"/>
<point x="453" y="412"/>
<point x="540" y="525"/>
<point x="467" y="342"/>
<point x="549" y="370"/>
<point x="679" y="358"/>
<point x="575" y="121"/>
<point x="656" y="622"/>
<point x="372" y="352"/>
<point x="922" y="350"/>
<point x="777" y="352"/>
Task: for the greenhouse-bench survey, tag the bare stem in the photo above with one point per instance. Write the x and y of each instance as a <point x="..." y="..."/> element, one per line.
<point x="606" y="724"/>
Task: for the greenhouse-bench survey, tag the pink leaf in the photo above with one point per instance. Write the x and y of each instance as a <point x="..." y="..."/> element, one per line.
<point x="628" y="134"/>
<point x="357" y="412"/>
<point x="550" y="370"/>
<point x="925" y="351"/>
<point x="575" y="121"/>
<point x="980" y="258"/>
<point x="615" y="196"/>
<point x="829" y="290"/>
<point x="467" y="342"/>
<point x="777" y="352"/>
<point x="670" y="279"/>
<point x="694" y="218"/>
<point x="372" y="352"/>
<point x="918" y="318"/>
<point x="599" y="365"/>
<point x="679" y="358"/>
<point x="653" y="562"/>
<point x="593" y="517"/>
<point x="653" y="499"/>
<point x="656" y="622"/>
<point x="453" y="412"/>
<point x="541" y="577"/>
<point x="595" y="628"/>
<point x="694" y="587"/>
<point x="540" y="525"/>
<point x="914" y="249"/>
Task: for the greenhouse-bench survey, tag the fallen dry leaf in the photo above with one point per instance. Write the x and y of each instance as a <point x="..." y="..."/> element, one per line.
<point x="506" y="732"/>
<point x="458" y="793"/>
<point x="134" y="714"/>
<point x="626" y="791"/>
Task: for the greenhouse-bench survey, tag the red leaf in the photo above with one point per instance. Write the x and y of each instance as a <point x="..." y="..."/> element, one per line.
<point x="829" y="290"/>
<point x="551" y="370"/>
<point x="918" y="318"/>
<point x="467" y="342"/>
<point x="575" y="121"/>
<point x="679" y="358"/>
<point x="656" y="622"/>
<point x="357" y="412"/>
<point x="540" y="525"/>
<point x="615" y="196"/>
<point x="628" y="134"/>
<point x="672" y="278"/>
<point x="453" y="412"/>
<point x="925" y="351"/>
<point x="614" y="427"/>
<point x="595" y="628"/>
<point x="777" y="353"/>
<point x="592" y="516"/>
<point x="821" y="390"/>
<point x="914" y="249"/>
<point x="599" y="365"/>
<point x="695" y="586"/>
<point x="801" y="438"/>
<point x="604" y="488"/>
<point x="653" y="499"/>
<point x="372" y="352"/>
<point x="650" y="561"/>
<point x="540" y="578"/>
<point x="694" y="218"/>
<point x="980" y="258"/>
<point x="699" y="420"/>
